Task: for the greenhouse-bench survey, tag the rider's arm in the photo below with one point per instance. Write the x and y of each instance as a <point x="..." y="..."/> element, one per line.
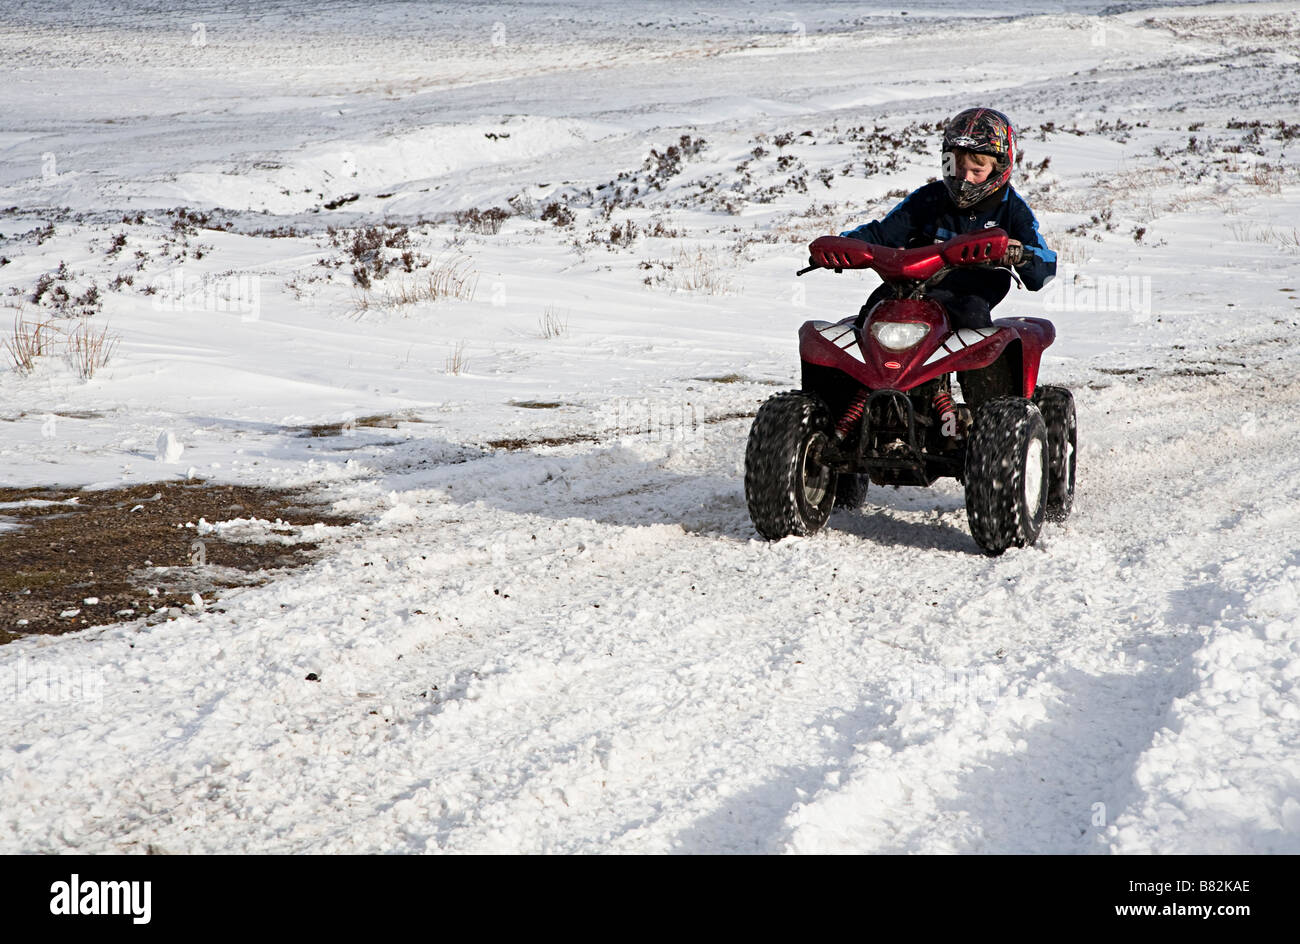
<point x="894" y="230"/>
<point x="1039" y="265"/>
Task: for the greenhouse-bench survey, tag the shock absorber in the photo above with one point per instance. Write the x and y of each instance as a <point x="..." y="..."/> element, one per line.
<point x="853" y="413"/>
<point x="947" y="411"/>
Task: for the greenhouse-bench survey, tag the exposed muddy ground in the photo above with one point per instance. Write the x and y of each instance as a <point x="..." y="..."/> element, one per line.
<point x="72" y="558"/>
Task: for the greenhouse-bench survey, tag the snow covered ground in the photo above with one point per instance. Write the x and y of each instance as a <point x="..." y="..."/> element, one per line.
<point x="579" y="644"/>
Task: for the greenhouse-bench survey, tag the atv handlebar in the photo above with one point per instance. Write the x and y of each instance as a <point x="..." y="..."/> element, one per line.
<point x="987" y="247"/>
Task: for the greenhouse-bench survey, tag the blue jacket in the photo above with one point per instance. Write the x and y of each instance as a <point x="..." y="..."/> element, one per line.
<point x="928" y="216"/>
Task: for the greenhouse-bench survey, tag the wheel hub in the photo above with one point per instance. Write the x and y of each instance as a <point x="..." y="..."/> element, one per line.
<point x="1033" y="476"/>
<point x="814" y="475"/>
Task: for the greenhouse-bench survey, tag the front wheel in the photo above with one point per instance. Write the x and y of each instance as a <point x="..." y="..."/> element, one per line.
<point x="1006" y="474"/>
<point x="788" y="485"/>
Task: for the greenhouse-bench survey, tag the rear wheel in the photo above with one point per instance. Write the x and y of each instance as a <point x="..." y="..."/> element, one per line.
<point x="851" y="490"/>
<point x="788" y="486"/>
<point x="1007" y="474"/>
<point x="1057" y="406"/>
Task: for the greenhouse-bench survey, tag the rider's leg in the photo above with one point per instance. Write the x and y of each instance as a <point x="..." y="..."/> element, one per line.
<point x="883" y="291"/>
<point x="964" y="311"/>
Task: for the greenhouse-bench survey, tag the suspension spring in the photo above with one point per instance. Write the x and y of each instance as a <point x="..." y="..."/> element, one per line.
<point x="947" y="411"/>
<point x="853" y="413"/>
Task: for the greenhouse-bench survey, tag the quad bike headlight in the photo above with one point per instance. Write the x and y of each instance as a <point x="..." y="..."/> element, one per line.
<point x="899" y="335"/>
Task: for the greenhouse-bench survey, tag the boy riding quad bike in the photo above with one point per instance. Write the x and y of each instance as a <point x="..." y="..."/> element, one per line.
<point x="979" y="153"/>
<point x="876" y="403"/>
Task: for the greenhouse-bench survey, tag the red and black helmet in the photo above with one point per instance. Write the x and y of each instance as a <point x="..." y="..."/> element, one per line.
<point x="980" y="131"/>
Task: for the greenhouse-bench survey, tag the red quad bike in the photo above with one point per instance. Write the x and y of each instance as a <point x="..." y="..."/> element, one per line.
<point x="877" y="405"/>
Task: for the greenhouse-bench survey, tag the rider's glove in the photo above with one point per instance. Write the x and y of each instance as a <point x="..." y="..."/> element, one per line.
<point x="823" y="260"/>
<point x="1014" y="255"/>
